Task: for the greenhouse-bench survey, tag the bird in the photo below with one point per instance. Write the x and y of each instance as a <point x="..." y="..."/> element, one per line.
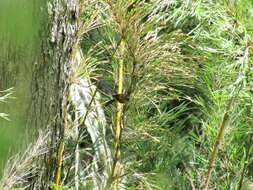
<point x="122" y="98"/>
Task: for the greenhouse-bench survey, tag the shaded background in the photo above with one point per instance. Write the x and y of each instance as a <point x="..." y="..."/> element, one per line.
<point x="19" y="48"/>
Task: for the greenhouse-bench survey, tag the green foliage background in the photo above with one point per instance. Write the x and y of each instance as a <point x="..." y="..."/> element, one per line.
<point x="19" y="29"/>
<point x="178" y="103"/>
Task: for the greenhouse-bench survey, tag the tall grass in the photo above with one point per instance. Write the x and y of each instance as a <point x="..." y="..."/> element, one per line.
<point x="185" y="69"/>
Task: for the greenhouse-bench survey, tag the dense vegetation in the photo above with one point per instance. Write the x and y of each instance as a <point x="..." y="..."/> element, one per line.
<point x="185" y="69"/>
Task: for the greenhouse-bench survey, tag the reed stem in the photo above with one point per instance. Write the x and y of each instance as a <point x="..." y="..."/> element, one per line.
<point x="119" y="112"/>
<point x="215" y="149"/>
<point x="60" y="151"/>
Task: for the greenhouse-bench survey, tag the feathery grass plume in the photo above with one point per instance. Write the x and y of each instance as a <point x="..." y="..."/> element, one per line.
<point x="125" y="20"/>
<point x="153" y="64"/>
<point x="22" y="168"/>
<point x="4" y="96"/>
<point x="161" y="102"/>
<point x="121" y="18"/>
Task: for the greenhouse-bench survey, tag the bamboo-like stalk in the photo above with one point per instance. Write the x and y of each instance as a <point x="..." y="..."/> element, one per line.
<point x="234" y="93"/>
<point x="59" y="165"/>
<point x="119" y="112"/>
<point x="60" y="151"/>
<point x="215" y="149"/>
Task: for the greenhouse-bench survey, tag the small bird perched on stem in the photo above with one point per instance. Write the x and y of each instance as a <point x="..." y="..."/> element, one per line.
<point x="122" y="98"/>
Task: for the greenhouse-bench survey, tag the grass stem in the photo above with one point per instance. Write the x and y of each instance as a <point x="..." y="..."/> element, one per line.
<point x="119" y="112"/>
